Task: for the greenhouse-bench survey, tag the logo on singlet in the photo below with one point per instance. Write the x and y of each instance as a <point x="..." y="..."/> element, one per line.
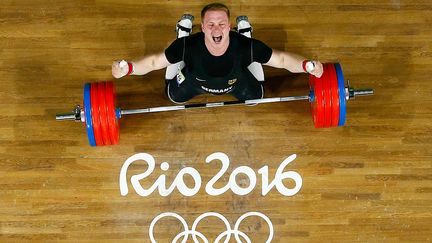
<point x="216" y="91"/>
<point x="201" y="80"/>
<point x="232" y="81"/>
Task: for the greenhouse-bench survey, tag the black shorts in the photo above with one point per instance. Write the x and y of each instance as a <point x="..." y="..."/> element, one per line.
<point x="247" y="87"/>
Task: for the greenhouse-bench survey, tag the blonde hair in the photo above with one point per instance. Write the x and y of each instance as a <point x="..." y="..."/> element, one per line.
<point x="215" y="6"/>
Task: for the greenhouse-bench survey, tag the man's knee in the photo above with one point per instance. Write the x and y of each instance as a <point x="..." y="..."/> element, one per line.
<point x="178" y="94"/>
<point x="257" y="93"/>
<point x="250" y="93"/>
<point x="172" y="96"/>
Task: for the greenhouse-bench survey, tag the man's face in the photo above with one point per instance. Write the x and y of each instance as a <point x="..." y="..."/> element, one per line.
<point x="216" y="27"/>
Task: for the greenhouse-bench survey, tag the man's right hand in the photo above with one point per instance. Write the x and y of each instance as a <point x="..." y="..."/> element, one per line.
<point x="119" y="70"/>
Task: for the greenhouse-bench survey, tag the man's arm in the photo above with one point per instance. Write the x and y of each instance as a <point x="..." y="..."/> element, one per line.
<point x="292" y="62"/>
<point x="142" y="66"/>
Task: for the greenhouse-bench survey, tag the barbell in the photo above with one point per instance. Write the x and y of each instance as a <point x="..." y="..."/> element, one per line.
<point x="327" y="96"/>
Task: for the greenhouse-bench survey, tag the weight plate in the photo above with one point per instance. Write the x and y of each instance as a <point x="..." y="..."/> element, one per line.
<point x="103" y="118"/>
<point x="334" y="96"/>
<point x="326" y="79"/>
<point x="113" y="125"/>
<point x="88" y="115"/>
<point x="342" y="98"/>
<point x="95" y="114"/>
<point x="317" y="104"/>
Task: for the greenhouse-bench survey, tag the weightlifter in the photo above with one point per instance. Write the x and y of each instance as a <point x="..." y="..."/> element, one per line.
<point x="216" y="60"/>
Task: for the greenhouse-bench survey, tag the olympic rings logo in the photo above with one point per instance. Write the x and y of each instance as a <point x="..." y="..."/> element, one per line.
<point x="192" y="232"/>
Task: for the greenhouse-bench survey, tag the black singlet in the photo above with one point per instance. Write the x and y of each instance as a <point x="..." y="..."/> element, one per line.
<point x="217" y="74"/>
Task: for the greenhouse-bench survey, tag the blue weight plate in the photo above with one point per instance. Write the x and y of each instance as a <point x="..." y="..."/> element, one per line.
<point x="342" y="98"/>
<point x="88" y="116"/>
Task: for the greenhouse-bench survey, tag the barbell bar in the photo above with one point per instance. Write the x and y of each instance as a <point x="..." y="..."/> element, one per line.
<point x="327" y="96"/>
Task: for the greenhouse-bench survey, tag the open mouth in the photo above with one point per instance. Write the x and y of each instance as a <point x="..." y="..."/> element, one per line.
<point x="217" y="39"/>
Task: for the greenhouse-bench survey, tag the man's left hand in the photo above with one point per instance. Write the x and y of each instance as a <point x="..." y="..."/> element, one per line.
<point x="318" y="69"/>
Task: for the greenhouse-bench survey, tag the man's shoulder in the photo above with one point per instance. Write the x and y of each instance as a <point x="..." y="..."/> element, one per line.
<point x="195" y="36"/>
<point x="236" y="35"/>
<point x="192" y="40"/>
<point x="239" y="41"/>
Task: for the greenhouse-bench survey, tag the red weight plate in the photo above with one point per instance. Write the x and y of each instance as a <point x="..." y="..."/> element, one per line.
<point x="320" y="103"/>
<point x="318" y="90"/>
<point x="313" y="103"/>
<point x="327" y="95"/>
<point x="312" y="97"/>
<point x="95" y="114"/>
<point x="113" y="125"/>
<point x="103" y="114"/>
<point x="335" y="96"/>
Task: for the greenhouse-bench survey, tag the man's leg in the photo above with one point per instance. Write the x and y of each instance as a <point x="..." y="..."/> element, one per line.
<point x="184" y="25"/>
<point x="179" y="94"/>
<point x="248" y="88"/>
<point x="245" y="28"/>
<point x="183" y="28"/>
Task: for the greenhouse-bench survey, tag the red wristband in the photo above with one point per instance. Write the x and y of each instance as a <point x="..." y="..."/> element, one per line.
<point x="304" y="65"/>
<point x="130" y="68"/>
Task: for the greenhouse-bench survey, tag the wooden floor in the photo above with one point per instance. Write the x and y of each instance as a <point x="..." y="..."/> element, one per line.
<point x="369" y="181"/>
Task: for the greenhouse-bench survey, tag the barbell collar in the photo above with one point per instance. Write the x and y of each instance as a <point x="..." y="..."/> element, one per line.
<point x="363" y="92"/>
<point x="352" y="93"/>
<point x="76" y="115"/>
<point x="65" y="117"/>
